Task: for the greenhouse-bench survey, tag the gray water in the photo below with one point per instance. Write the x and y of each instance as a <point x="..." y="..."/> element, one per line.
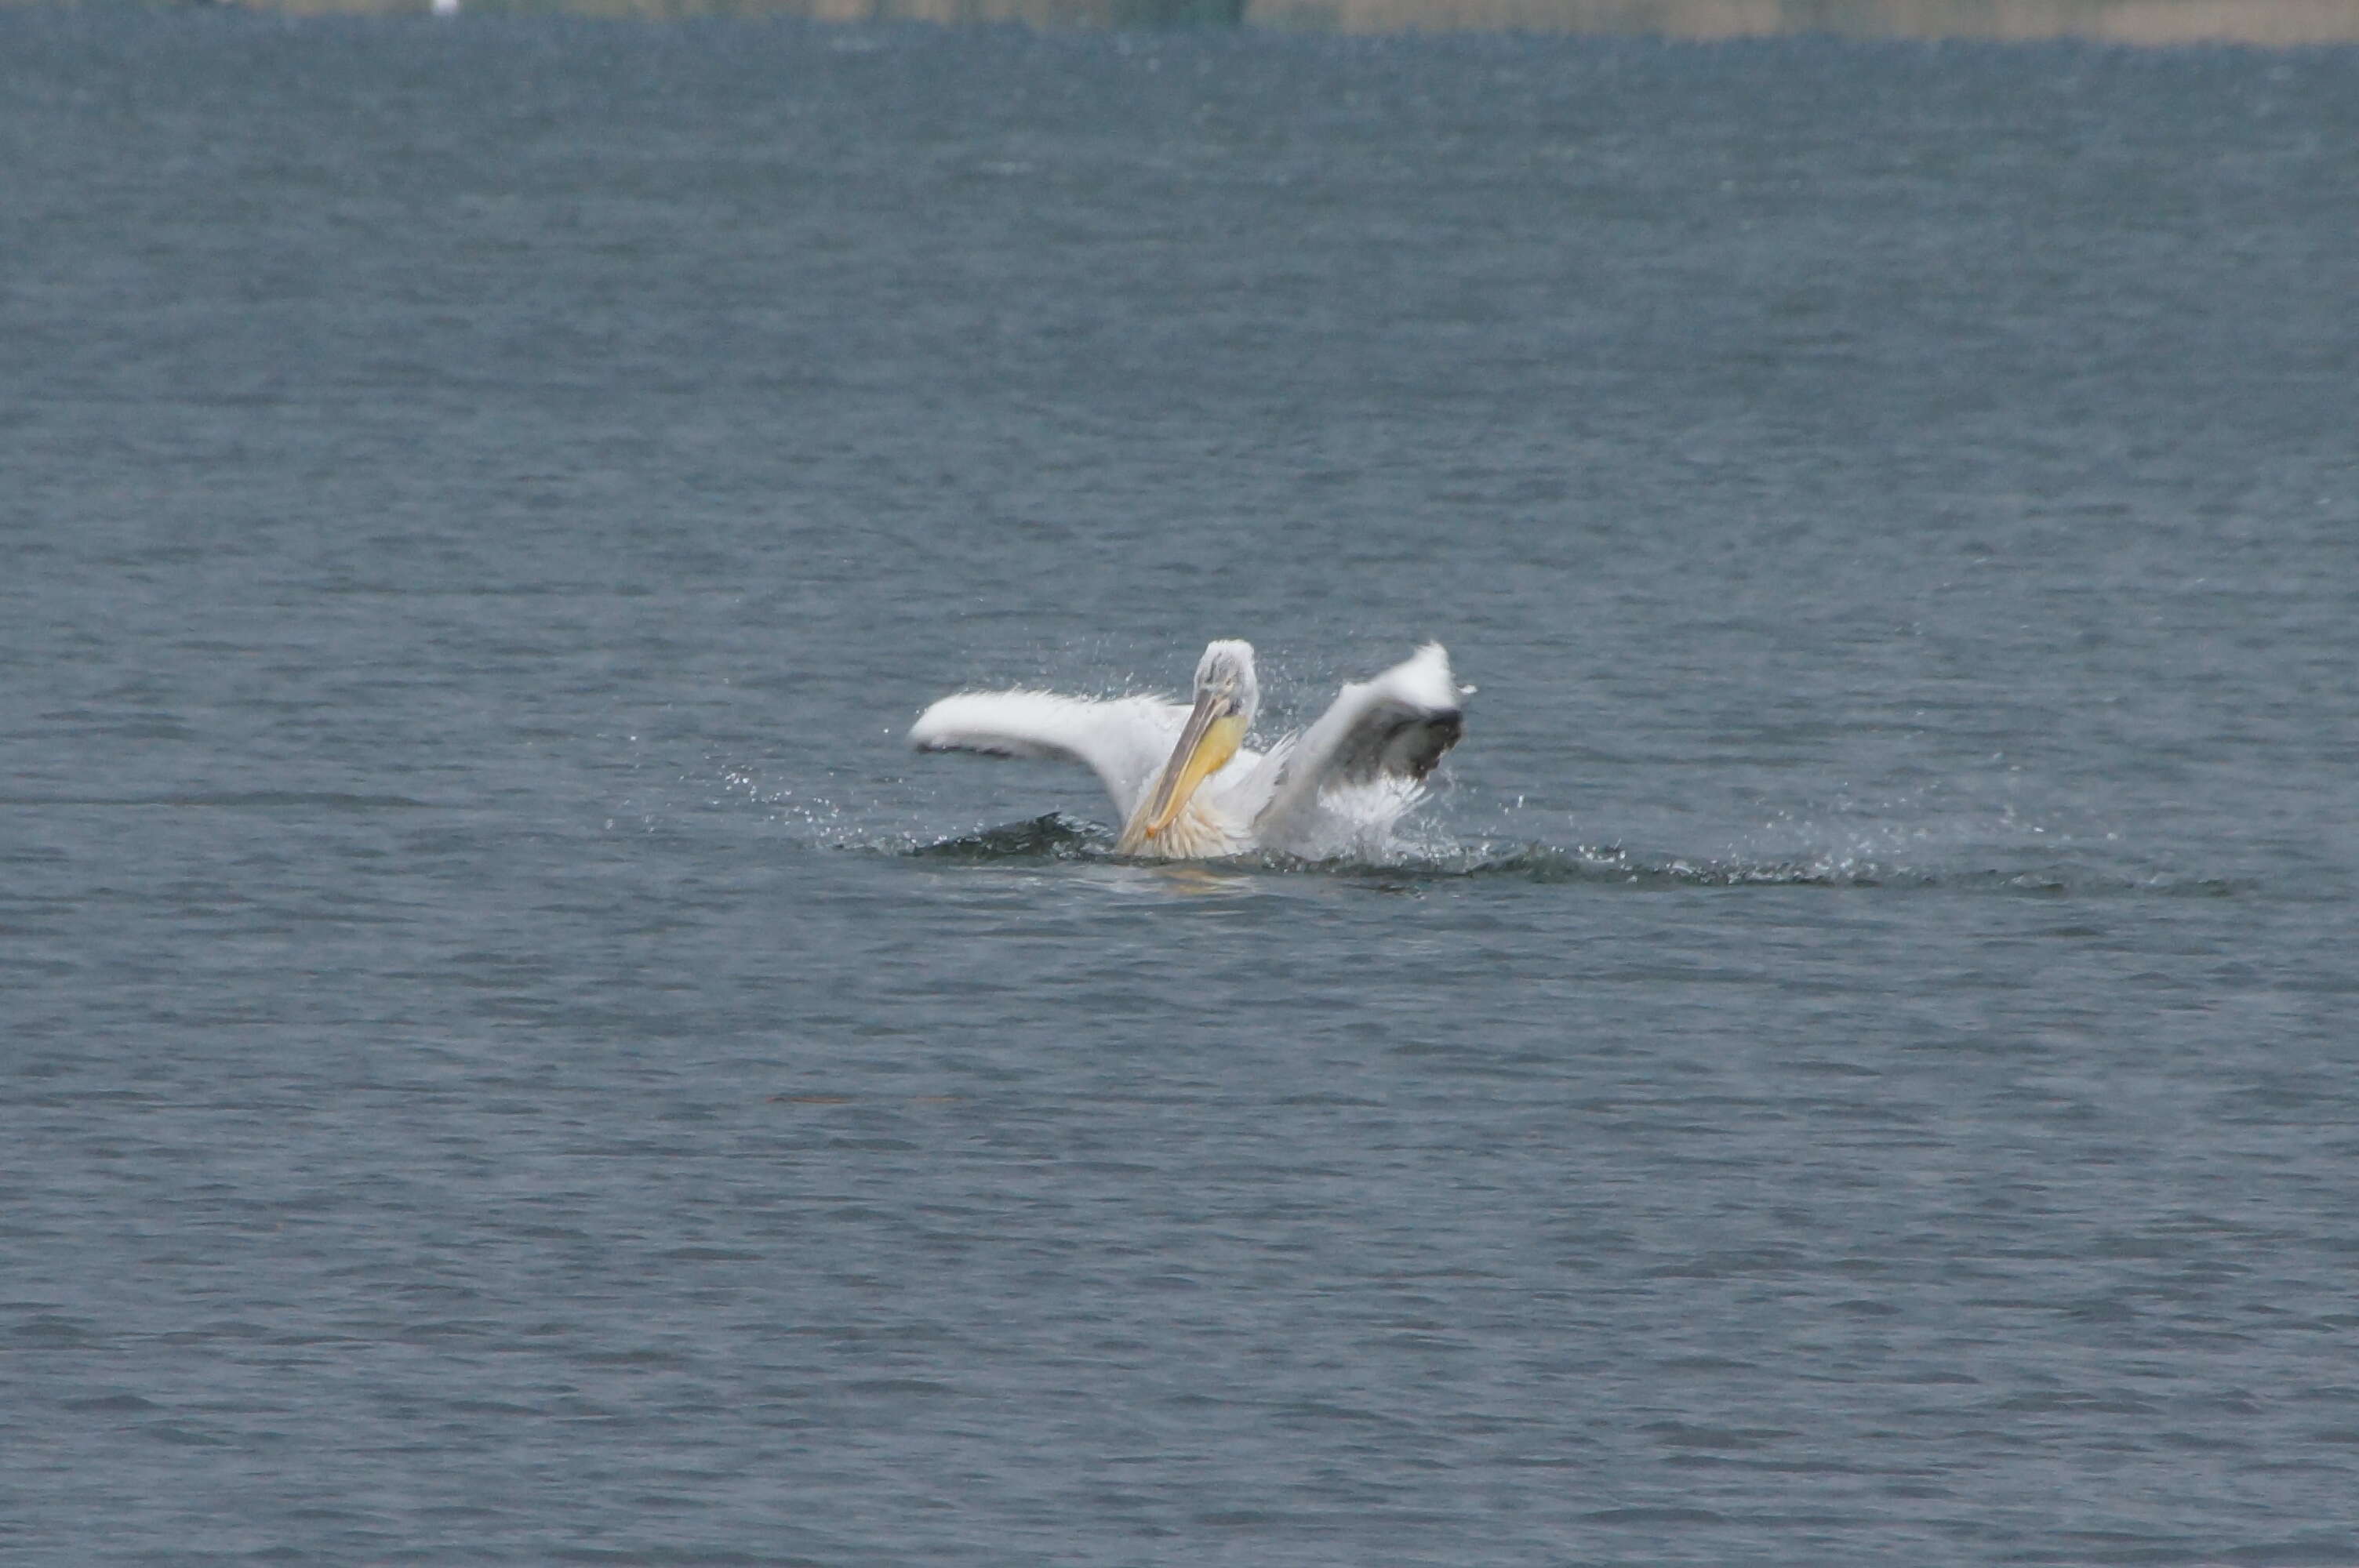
<point x="508" y="1060"/>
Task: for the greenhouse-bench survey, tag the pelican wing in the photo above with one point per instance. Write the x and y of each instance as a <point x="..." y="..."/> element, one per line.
<point x="1395" y="725"/>
<point x="1123" y="741"/>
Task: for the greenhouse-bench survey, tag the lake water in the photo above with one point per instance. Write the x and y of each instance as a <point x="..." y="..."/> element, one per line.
<point x="507" y="1059"/>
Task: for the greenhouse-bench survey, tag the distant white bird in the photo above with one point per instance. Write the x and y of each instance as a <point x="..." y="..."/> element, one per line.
<point x="1186" y="784"/>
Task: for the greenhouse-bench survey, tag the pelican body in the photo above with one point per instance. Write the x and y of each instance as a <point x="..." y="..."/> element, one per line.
<point x="1182" y="778"/>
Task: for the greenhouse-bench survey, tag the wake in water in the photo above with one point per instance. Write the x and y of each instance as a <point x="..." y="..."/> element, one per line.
<point x="1377" y="832"/>
<point x="1940" y="851"/>
<point x="1058" y="838"/>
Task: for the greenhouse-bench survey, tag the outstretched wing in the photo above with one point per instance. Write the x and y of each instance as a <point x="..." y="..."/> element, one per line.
<point x="1395" y="726"/>
<point x="1122" y="742"/>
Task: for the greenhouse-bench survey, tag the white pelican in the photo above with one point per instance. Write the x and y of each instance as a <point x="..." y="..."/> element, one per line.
<point x="1186" y="784"/>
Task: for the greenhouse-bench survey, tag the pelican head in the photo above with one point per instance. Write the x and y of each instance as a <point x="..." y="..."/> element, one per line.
<point x="1227" y="698"/>
<point x="1227" y="672"/>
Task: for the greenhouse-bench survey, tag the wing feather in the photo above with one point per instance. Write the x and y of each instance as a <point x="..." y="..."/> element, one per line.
<point x="1123" y="741"/>
<point x="1395" y="725"/>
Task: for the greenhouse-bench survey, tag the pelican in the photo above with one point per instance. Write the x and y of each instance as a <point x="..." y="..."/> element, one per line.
<point x="1186" y="784"/>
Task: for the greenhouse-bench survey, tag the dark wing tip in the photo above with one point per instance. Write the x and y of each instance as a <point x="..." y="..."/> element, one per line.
<point x="1423" y="743"/>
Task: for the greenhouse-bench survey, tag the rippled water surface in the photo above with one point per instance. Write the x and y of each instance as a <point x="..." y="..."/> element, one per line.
<point x="503" y="1057"/>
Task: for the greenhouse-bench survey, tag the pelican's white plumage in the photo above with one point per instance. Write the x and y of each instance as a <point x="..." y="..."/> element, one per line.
<point x="1186" y="786"/>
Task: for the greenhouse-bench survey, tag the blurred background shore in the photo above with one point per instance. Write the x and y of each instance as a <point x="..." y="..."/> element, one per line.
<point x="2276" y="22"/>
